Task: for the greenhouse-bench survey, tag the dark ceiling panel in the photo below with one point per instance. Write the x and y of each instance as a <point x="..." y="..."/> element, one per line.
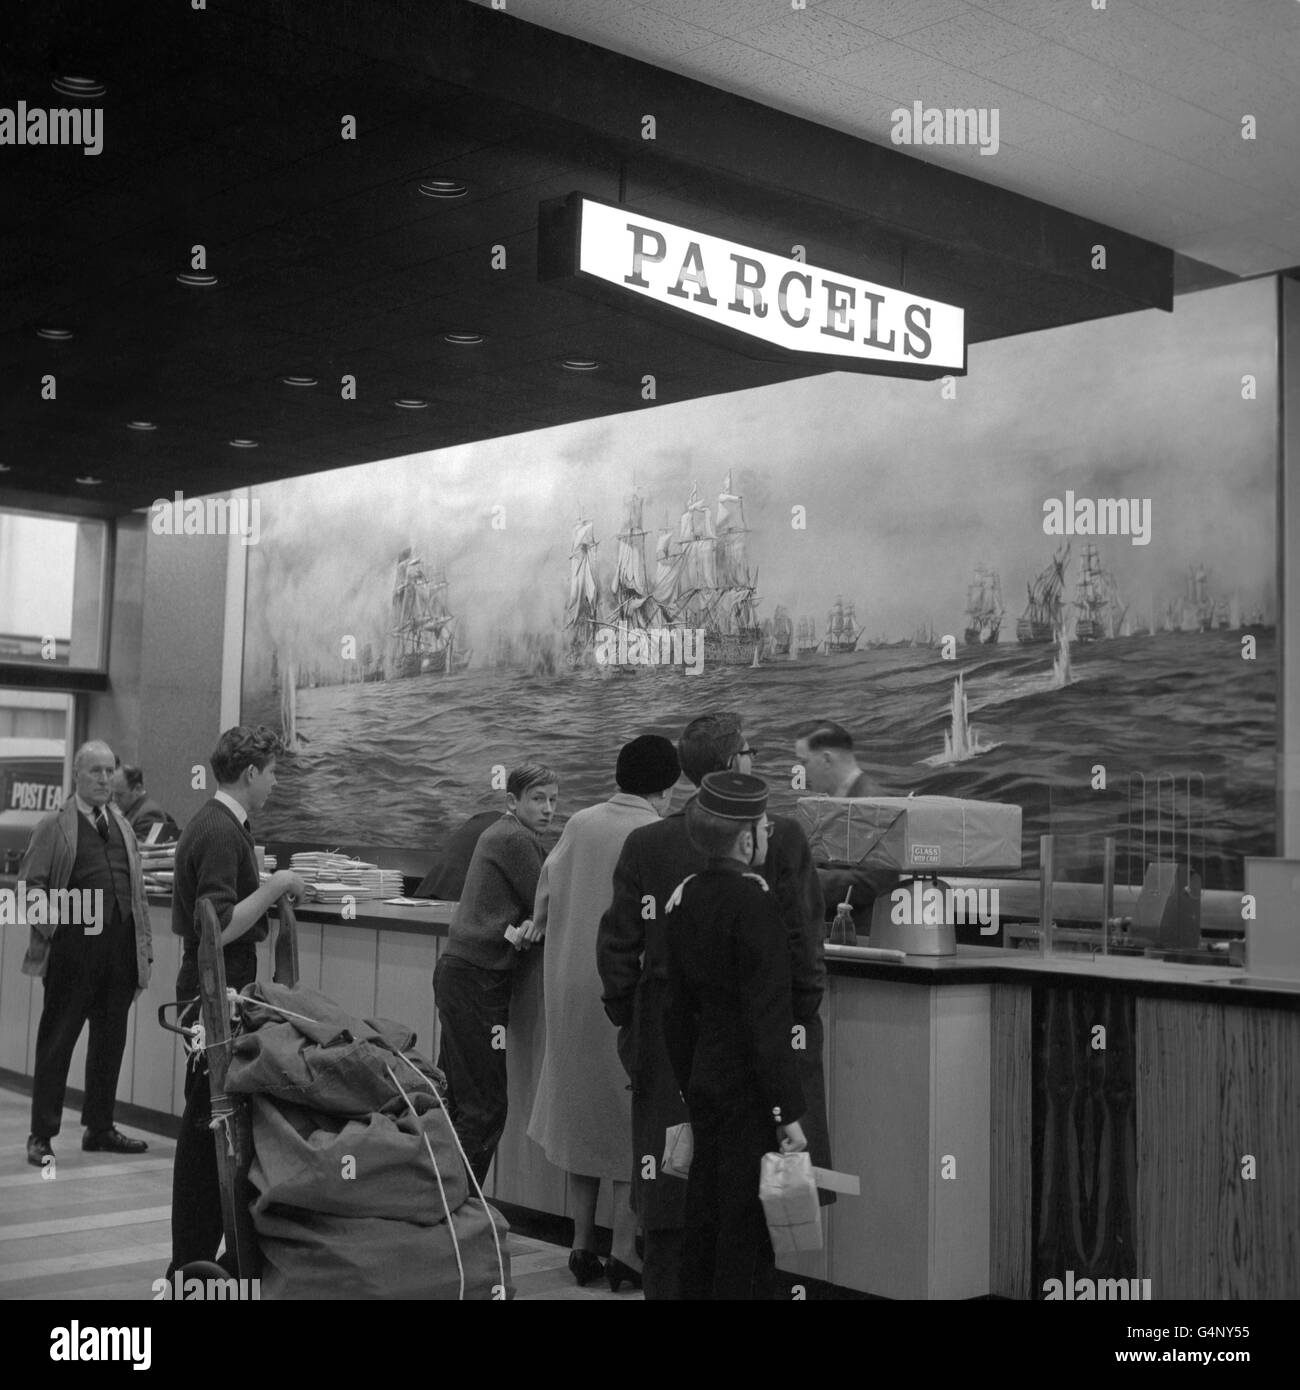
<point x="222" y="128"/>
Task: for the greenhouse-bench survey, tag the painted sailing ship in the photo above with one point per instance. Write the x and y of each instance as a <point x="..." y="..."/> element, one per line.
<point x="422" y="632"/>
<point x="702" y="581"/>
<point x="1043" y="614"/>
<point x="1097" y="601"/>
<point x="842" y="630"/>
<point x="984" y="608"/>
<point x="1195" y="610"/>
<point x="778" y="635"/>
<point x="806" y="639"/>
<point x="706" y="582"/>
<point x="733" y="635"/>
<point x="635" y="607"/>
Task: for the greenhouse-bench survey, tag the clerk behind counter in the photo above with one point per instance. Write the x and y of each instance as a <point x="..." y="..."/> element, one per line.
<point x="825" y="749"/>
<point x="445" y="881"/>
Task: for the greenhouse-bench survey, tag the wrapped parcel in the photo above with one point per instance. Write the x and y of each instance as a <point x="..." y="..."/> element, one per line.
<point x="912" y="834"/>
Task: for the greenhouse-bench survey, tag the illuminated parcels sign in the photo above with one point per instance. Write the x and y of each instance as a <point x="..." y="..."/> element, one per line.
<point x="799" y="311"/>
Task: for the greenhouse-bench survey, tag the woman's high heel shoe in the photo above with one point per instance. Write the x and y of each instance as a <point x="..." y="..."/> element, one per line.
<point x="584" y="1266"/>
<point x="618" y="1274"/>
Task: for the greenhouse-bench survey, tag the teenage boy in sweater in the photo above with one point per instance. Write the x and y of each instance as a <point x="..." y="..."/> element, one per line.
<point x="474" y="977"/>
<point x="215" y="860"/>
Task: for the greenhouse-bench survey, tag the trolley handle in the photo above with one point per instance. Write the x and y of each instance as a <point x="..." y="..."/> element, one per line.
<point x="177" y="1027"/>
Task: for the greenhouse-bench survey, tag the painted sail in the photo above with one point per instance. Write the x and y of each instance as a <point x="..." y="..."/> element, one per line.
<point x="582" y="612"/>
<point x="736" y="609"/>
<point x="633" y="604"/>
<point x="698" y="545"/>
<point x="666" y="577"/>
<point x="692" y="589"/>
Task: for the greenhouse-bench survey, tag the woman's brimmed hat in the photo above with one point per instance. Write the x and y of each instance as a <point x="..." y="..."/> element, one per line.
<point x="733" y="796"/>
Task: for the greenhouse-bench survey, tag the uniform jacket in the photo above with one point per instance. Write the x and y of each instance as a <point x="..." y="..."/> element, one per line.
<point x="48" y="864"/>
<point x="631" y="955"/>
<point x="728" y="1023"/>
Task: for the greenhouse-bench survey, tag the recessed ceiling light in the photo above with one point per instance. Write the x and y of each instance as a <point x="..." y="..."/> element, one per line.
<point x="84" y="87"/>
<point x="411" y="403"/>
<point x="90" y="482"/>
<point x="298" y="380"/>
<point x="580" y="364"/>
<point x="55" y="335"/>
<point x="4" y="468"/>
<point x="443" y="188"/>
<point x="193" y="281"/>
<point x="141" y="425"/>
<point x="462" y="339"/>
<point x="243" y="443"/>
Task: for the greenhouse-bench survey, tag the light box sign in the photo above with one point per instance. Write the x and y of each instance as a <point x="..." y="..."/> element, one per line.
<point x="800" y="310"/>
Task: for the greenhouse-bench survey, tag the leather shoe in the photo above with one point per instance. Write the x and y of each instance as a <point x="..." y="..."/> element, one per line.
<point x="619" y="1274"/>
<point x="112" y="1141"/>
<point x="585" y="1266"/>
<point x="38" y="1150"/>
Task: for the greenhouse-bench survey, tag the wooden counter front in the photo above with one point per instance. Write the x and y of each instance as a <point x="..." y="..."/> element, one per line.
<point x="999" y="1137"/>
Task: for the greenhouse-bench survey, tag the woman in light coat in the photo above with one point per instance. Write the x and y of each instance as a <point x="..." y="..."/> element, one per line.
<point x="582" y="1114"/>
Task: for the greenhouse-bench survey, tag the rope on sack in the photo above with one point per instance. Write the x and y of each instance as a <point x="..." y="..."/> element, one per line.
<point x="496" y="1240"/>
<point x="442" y="1192"/>
<point x="288" y="1013"/>
<point x="235" y="998"/>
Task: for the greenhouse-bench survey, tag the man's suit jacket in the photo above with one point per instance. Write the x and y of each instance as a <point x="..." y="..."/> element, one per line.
<point x="147" y="812"/>
<point x="48" y="865"/>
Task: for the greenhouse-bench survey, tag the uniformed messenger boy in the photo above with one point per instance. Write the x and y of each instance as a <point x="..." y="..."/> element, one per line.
<point x="729" y="1028"/>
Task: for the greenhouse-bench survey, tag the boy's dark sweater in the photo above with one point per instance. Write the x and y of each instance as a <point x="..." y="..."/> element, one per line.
<point x="499" y="891"/>
<point x="215" y="860"/>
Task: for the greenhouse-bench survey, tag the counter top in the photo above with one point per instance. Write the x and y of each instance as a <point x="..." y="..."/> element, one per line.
<point x="997" y="964"/>
<point x="970" y="965"/>
<point x="430" y="916"/>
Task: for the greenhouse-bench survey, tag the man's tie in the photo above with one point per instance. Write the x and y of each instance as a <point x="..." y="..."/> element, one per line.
<point x="101" y="823"/>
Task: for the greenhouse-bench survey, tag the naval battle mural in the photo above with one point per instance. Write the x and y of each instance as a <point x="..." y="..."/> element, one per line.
<point x="1050" y="582"/>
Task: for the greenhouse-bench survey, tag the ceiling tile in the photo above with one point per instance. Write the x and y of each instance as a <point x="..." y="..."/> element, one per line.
<point x="720" y="17"/>
<point x="1241" y="255"/>
<point x="809" y="37"/>
<point x="1238" y="27"/>
<point x="900" y="73"/>
<point x="970" y="38"/>
<point x="890" y="18"/>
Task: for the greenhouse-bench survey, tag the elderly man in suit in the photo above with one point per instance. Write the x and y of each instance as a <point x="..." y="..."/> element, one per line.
<point x="92" y="970"/>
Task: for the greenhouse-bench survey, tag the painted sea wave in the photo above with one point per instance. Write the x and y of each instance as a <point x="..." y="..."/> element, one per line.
<point x="402" y="762"/>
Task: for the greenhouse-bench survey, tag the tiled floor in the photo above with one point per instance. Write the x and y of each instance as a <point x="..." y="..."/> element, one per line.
<point x="101" y="1228"/>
